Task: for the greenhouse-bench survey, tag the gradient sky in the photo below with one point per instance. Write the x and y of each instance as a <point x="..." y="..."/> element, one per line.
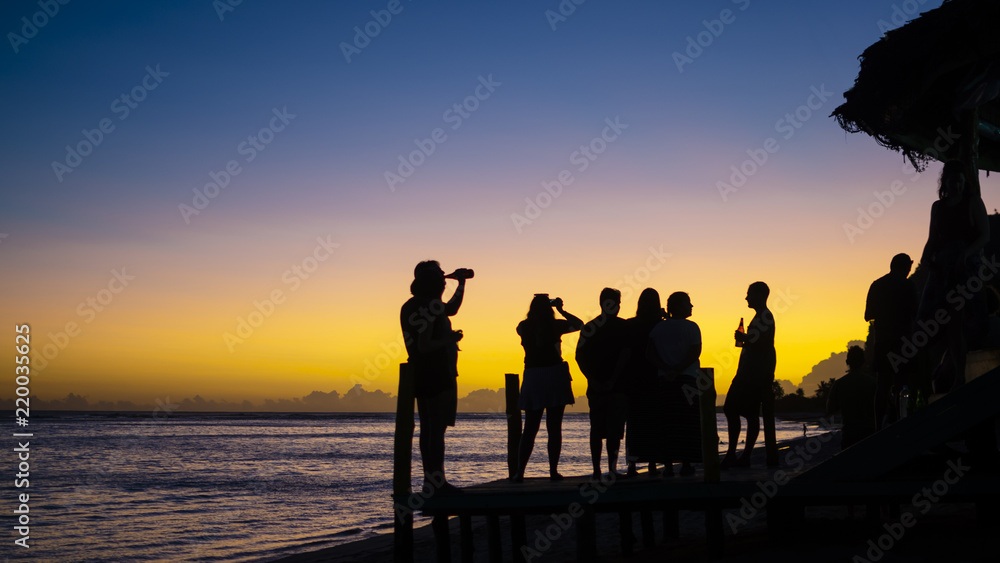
<point x="647" y="211"/>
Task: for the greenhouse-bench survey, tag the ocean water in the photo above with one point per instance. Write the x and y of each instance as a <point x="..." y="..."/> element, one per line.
<point x="240" y="487"/>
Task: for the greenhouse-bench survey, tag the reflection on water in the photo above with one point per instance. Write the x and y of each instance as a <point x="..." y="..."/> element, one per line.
<point x="242" y="487"/>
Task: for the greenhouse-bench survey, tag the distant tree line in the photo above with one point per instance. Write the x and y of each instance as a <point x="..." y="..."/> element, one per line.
<point x="798" y="402"/>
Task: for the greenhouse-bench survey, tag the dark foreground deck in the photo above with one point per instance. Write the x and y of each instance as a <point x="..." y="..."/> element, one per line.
<point x="921" y="460"/>
<point x="740" y="495"/>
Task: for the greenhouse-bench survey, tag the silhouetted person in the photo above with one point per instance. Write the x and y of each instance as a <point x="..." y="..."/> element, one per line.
<point x="546" y="388"/>
<point x="892" y="308"/>
<point x="600" y="353"/>
<point x="754" y="376"/>
<point x="852" y="395"/>
<point x="674" y="347"/>
<point x="644" y="440"/>
<point x="958" y="233"/>
<point x="433" y="356"/>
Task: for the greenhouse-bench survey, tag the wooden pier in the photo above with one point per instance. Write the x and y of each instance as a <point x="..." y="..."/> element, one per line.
<point x="887" y="469"/>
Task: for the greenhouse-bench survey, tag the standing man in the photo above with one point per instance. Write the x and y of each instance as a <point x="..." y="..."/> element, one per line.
<point x="601" y="355"/>
<point x="891" y="307"/>
<point x="433" y="356"/>
<point x="754" y="376"/>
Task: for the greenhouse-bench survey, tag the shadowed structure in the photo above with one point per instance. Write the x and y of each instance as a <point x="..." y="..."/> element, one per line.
<point x="930" y="88"/>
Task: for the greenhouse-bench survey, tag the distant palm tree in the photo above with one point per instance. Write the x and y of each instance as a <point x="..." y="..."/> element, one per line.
<point x="779" y="392"/>
<point x="823" y="390"/>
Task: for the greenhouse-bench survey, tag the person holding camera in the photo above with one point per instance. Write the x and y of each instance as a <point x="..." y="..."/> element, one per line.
<point x="432" y="347"/>
<point x="546" y="387"/>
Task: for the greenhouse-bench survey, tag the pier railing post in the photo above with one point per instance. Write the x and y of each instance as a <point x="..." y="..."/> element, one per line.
<point x="402" y="458"/>
<point x="709" y="428"/>
<point x="770" y="435"/>
<point x="513" y="393"/>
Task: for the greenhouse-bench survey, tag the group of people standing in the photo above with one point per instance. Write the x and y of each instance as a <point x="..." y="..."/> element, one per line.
<point x="641" y="372"/>
<point x="635" y="369"/>
<point x="937" y="324"/>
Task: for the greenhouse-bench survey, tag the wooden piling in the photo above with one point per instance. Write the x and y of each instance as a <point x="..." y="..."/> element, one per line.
<point x="513" y="394"/>
<point x="518" y="537"/>
<point x="493" y="538"/>
<point x="709" y="428"/>
<point x="627" y="541"/>
<point x="586" y="535"/>
<point x="465" y="525"/>
<point x="646" y="523"/>
<point x="770" y="435"/>
<point x="401" y="468"/>
<point x="442" y="538"/>
<point x="710" y="456"/>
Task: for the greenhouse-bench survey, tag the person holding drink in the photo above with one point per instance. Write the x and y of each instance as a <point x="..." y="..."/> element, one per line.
<point x="754" y="376"/>
<point x="432" y="347"/>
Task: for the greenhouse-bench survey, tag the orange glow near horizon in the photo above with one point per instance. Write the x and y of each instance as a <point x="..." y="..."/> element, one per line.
<point x="164" y="335"/>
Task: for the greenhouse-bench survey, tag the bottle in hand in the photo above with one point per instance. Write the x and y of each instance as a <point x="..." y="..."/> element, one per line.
<point x="739" y="343"/>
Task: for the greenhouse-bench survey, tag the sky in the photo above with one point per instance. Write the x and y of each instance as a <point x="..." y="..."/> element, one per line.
<point x="227" y="199"/>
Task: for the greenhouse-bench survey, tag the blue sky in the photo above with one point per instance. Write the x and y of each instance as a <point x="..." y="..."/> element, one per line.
<point x="221" y="80"/>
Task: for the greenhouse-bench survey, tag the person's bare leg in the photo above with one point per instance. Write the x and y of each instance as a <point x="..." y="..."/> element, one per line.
<point x="753" y="430"/>
<point x="733" y="422"/>
<point x="532" y="420"/>
<point x="553" y="425"/>
<point x="595" y="452"/>
<point x="613" y="446"/>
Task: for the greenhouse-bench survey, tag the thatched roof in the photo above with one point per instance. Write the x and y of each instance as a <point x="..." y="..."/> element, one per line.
<point x="916" y="80"/>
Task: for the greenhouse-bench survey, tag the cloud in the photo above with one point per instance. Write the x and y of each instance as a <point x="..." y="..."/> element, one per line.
<point x="357" y="399"/>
